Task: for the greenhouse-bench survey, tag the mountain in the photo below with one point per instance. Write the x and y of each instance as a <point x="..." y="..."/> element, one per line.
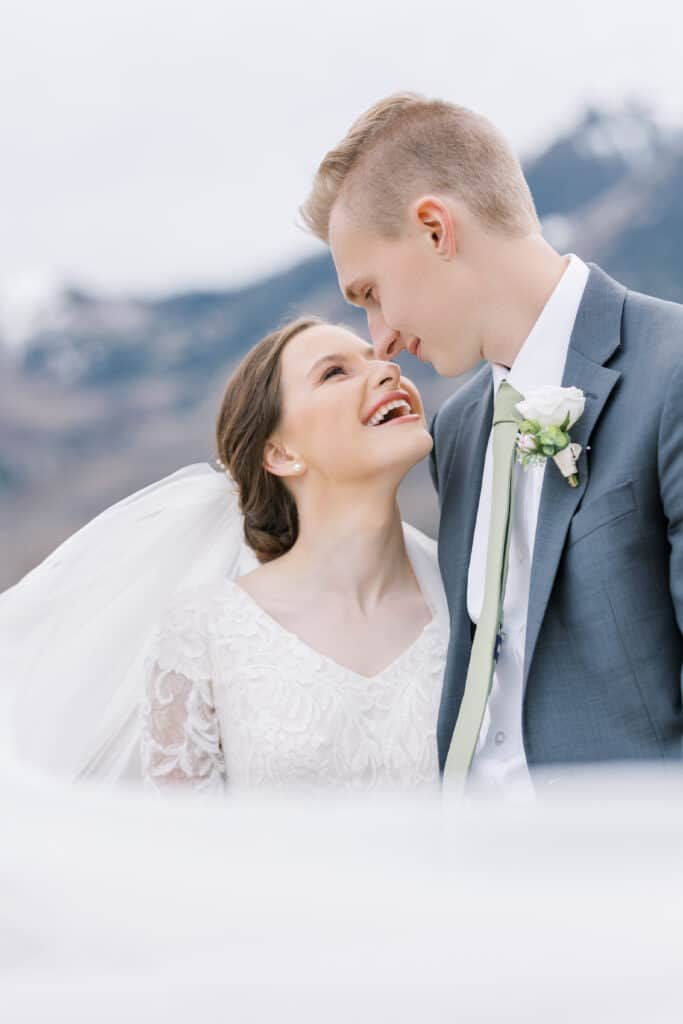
<point x="611" y="191"/>
<point x="598" y="153"/>
<point x="101" y="395"/>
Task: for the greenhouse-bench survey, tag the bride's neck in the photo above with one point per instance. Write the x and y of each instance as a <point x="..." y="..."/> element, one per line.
<point x="351" y="544"/>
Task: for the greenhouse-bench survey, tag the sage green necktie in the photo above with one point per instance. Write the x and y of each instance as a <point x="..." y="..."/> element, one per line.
<point x="482" y="658"/>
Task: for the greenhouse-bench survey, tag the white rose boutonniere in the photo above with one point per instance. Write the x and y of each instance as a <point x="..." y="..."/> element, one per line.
<point x="548" y="413"/>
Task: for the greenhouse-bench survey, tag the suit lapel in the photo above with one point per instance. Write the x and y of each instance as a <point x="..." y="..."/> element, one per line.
<point x="595" y="338"/>
<point x="467" y="467"/>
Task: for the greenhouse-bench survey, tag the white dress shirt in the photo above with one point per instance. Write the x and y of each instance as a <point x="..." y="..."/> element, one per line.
<point x="499" y="764"/>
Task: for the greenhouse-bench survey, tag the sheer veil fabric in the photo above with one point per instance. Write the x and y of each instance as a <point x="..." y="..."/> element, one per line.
<point x="75" y="630"/>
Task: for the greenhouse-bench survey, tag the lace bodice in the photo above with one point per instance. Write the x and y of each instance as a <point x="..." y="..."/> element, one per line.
<point x="234" y="699"/>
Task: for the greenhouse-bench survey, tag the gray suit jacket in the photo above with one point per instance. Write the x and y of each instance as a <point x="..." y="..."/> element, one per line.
<point x="604" y="652"/>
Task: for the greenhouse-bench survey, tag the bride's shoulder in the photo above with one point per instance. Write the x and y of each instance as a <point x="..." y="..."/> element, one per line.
<point x="184" y="633"/>
<point x="194" y="606"/>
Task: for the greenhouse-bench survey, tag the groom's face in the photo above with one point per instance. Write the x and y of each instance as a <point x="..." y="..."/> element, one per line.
<point x="414" y="298"/>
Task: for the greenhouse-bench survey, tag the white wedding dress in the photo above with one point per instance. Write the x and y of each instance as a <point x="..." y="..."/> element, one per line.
<point x="131" y="655"/>
<point x="233" y="699"/>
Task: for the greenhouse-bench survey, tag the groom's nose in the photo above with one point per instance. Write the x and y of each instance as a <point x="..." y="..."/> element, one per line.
<point x="385" y="340"/>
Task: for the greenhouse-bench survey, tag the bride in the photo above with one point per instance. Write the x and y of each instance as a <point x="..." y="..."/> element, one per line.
<point x="157" y="644"/>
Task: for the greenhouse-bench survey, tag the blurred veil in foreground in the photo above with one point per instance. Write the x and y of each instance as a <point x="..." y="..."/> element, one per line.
<point x="115" y="907"/>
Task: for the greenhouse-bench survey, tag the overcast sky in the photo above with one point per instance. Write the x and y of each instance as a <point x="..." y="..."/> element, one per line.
<point x="151" y="144"/>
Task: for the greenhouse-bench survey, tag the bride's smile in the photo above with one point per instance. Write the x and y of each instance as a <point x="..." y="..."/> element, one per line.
<point x="395" y="407"/>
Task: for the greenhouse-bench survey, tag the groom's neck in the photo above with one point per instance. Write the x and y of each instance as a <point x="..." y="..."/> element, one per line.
<point x="523" y="274"/>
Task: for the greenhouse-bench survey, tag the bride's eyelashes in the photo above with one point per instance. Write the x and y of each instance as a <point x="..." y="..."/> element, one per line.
<point x="331" y="371"/>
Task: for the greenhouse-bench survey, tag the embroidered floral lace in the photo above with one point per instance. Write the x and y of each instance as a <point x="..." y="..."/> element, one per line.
<point x="234" y="699"/>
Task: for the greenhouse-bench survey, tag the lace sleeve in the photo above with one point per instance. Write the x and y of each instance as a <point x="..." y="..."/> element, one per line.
<point x="180" y="743"/>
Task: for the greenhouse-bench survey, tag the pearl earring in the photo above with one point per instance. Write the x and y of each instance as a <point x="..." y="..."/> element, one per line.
<point x="296" y="466"/>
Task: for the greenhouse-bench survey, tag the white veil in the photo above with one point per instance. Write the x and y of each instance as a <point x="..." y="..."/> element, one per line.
<point x="74" y="631"/>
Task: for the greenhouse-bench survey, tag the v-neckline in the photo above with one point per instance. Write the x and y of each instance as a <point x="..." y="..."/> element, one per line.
<point x="326" y="657"/>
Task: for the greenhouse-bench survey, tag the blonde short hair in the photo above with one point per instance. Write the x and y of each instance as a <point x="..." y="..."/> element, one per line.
<point x="405" y="145"/>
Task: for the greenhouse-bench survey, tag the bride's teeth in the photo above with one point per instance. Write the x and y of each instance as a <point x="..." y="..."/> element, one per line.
<point x="384" y="410"/>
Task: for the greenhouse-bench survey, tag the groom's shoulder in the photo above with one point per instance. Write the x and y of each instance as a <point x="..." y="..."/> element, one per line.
<point x="474" y="389"/>
<point x="658" y="322"/>
<point x="652" y="347"/>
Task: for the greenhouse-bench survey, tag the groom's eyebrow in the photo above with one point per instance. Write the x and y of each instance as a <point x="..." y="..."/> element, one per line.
<point x="337" y="357"/>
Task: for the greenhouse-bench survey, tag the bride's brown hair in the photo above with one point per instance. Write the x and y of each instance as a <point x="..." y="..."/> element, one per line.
<point x="249" y="413"/>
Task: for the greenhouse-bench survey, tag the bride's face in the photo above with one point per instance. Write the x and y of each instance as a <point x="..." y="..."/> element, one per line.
<point x="346" y="416"/>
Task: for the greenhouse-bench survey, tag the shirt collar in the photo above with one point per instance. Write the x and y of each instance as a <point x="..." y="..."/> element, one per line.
<point x="542" y="357"/>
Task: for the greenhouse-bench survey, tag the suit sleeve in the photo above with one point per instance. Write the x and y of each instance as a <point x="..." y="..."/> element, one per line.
<point x="671" y="485"/>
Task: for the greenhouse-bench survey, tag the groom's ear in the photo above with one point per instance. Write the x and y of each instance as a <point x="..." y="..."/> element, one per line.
<point x="435" y="220"/>
<point x="279" y="461"/>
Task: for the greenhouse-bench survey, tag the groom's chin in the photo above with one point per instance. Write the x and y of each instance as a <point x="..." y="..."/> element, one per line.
<point x="455" y="367"/>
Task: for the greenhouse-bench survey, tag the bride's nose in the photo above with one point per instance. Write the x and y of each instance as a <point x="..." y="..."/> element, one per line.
<point x="384" y="372"/>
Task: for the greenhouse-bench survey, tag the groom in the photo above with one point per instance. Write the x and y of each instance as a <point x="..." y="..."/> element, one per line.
<point x="434" y="233"/>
